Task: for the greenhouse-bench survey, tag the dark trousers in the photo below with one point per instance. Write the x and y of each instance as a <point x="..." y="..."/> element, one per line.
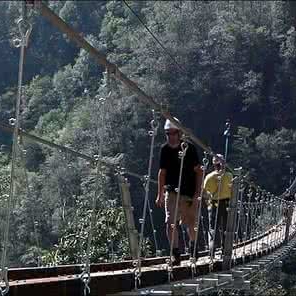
<point x="203" y="242"/>
<point x="221" y="222"/>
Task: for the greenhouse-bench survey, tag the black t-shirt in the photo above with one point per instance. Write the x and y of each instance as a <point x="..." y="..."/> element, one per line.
<point x="169" y="160"/>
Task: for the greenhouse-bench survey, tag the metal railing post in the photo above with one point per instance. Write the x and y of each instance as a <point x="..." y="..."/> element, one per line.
<point x="129" y="216"/>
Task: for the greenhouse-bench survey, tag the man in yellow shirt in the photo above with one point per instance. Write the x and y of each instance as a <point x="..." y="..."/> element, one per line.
<point x="218" y="184"/>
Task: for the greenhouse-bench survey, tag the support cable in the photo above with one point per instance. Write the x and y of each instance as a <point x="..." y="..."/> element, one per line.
<point x="138" y="268"/>
<point x="271" y="207"/>
<point x="205" y="231"/>
<point x="154" y="231"/>
<point x="257" y="216"/>
<point x="282" y="209"/>
<point x="267" y="219"/>
<point x="152" y="133"/>
<point x="186" y="248"/>
<point x="65" y="149"/>
<point x="85" y="275"/>
<point x="100" y="135"/>
<point x="238" y="219"/>
<point x="262" y="198"/>
<point x="227" y="135"/>
<point x="29" y="194"/>
<point x="276" y="220"/>
<point x="110" y="239"/>
<point x="282" y="221"/>
<point x="153" y="35"/>
<point x="198" y="216"/>
<point x="251" y="225"/>
<point x="247" y="217"/>
<point x="279" y="222"/>
<point x="182" y="154"/>
<point x="25" y="29"/>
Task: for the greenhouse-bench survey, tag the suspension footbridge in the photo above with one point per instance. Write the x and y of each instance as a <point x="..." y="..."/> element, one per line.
<point x="260" y="233"/>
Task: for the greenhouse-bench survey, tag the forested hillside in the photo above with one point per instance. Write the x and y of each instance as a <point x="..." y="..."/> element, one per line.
<point x="231" y="60"/>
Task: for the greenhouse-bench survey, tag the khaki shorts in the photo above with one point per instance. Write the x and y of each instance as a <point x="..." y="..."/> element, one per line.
<point x="187" y="209"/>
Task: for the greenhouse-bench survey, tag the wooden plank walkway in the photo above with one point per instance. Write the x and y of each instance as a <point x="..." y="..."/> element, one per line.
<point x="111" y="278"/>
<point x="236" y="277"/>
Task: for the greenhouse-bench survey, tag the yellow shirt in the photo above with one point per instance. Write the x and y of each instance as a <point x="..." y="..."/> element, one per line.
<point x="211" y="184"/>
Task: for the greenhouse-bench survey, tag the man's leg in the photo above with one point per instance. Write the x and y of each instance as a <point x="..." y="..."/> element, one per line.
<point x="215" y="232"/>
<point x="204" y="226"/>
<point x="189" y="211"/>
<point x="219" y="228"/>
<point x="170" y="207"/>
<point x="224" y="221"/>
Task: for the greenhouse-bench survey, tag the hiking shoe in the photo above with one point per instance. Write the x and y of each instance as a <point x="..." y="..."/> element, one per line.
<point x="192" y="255"/>
<point x="176" y="261"/>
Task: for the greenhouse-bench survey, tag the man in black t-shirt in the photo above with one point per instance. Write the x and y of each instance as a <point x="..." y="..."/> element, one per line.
<point x="168" y="179"/>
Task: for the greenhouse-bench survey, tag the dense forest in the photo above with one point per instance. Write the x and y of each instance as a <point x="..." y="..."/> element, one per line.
<point x="222" y="60"/>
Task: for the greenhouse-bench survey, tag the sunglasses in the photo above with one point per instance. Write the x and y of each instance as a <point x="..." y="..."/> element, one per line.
<point x="172" y="133"/>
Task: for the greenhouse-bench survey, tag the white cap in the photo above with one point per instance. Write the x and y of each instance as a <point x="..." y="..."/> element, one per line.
<point x="168" y="124"/>
<point x="219" y="158"/>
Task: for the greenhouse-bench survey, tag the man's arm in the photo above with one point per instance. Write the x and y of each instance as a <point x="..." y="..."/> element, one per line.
<point x="207" y="187"/>
<point x="161" y="182"/>
<point x="198" y="180"/>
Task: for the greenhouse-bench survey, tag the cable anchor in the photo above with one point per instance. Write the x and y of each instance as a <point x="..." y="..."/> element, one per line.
<point x="25" y="29"/>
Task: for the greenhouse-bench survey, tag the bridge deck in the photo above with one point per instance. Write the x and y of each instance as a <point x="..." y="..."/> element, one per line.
<point x="116" y="277"/>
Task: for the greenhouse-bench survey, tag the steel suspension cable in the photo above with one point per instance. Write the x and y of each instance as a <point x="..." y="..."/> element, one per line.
<point x="25" y="29"/>
<point x="278" y="227"/>
<point x="272" y="207"/>
<point x="153" y="35"/>
<point x="251" y="225"/>
<point x="152" y="133"/>
<point x="110" y="239"/>
<point x="205" y="232"/>
<point x="281" y="215"/>
<point x="238" y="218"/>
<point x="198" y="216"/>
<point x="267" y="217"/>
<point x="29" y="194"/>
<point x="247" y="217"/>
<point x="101" y="135"/>
<point x="85" y="275"/>
<point x="262" y="198"/>
<point x="182" y="154"/>
<point x="276" y="222"/>
<point x="65" y="149"/>
<point x="138" y="267"/>
<point x="258" y="207"/>
<point x="157" y="251"/>
<point x="186" y="248"/>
